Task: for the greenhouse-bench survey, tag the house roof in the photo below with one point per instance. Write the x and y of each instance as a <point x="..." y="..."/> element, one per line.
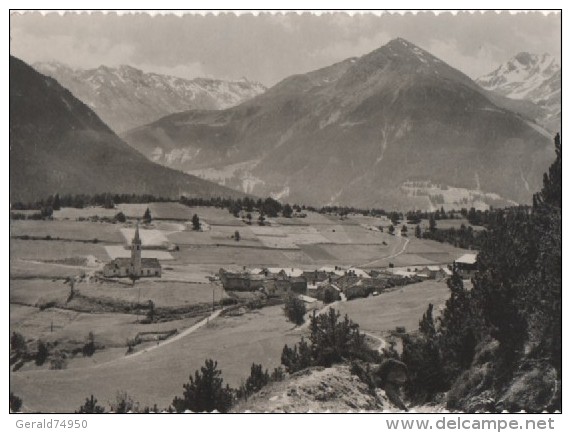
<point x="307" y="299"/>
<point x="433" y="268"/>
<point x="468" y="259"/>
<point x="290" y="272"/>
<point x="359" y="272"/>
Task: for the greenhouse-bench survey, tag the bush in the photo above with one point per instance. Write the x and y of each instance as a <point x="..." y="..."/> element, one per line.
<point x="294" y="309"/>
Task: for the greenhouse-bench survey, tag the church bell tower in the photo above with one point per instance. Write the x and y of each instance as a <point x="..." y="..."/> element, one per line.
<point x="136" y="254"/>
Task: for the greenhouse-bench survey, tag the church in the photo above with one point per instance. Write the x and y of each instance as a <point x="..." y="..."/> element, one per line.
<point x="137" y="266"/>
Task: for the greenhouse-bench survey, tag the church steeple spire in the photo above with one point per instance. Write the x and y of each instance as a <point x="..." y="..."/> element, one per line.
<point x="137" y="239"/>
<point x="136" y="253"/>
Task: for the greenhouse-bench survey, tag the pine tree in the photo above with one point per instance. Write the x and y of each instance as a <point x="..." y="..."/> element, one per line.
<point x="205" y="392"/>
<point x="147" y="216"/>
<point x="294" y="309"/>
<point x="195" y="222"/>
<point x="90" y="406"/>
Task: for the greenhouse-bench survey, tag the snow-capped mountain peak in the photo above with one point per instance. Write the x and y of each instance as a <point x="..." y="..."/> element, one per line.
<point x="522" y="76"/>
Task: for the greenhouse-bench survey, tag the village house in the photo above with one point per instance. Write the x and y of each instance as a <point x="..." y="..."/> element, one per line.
<point x="432" y="272"/>
<point x="466" y="266"/>
<point x="135" y="266"/>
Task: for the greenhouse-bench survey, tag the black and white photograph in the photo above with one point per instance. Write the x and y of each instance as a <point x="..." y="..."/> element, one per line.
<point x="267" y="211"/>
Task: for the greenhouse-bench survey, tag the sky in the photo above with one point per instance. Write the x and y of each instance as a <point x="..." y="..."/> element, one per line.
<point x="270" y="47"/>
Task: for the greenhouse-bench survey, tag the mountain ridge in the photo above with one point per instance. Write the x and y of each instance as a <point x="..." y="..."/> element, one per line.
<point x="357" y="133"/>
<point x="58" y="144"/>
<point x="125" y="97"/>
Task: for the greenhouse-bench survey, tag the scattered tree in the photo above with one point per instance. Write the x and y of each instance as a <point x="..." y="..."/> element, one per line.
<point x="42" y="353"/>
<point x="294" y="309"/>
<point x="18" y="343"/>
<point x="120" y="217"/>
<point x="237" y="236"/>
<point x="56" y="203"/>
<point x="195" y="222"/>
<point x="287" y="211"/>
<point x="151" y="311"/>
<point x="205" y="392"/>
<point x="90" y="406"/>
<point x="89" y="346"/>
<point x="431" y="223"/>
<point x="417" y="231"/>
<point x="257" y="379"/>
<point x="261" y="219"/>
<point x="391" y="229"/>
<point x="147" y="218"/>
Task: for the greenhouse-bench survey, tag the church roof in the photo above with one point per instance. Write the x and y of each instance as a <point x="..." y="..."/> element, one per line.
<point x="125" y="262"/>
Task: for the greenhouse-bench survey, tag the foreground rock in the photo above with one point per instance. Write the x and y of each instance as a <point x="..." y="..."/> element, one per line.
<point x="318" y="389"/>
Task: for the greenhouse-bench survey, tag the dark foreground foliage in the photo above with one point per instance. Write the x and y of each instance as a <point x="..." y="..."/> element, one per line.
<point x="507" y="329"/>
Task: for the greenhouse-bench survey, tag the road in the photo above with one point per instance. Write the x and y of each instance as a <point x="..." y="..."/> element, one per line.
<point x="168" y="341"/>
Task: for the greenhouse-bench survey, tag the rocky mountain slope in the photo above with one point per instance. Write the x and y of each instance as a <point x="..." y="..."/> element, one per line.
<point x="58" y="144"/>
<point x="396" y="128"/>
<point x="126" y="97"/>
<point x="530" y="77"/>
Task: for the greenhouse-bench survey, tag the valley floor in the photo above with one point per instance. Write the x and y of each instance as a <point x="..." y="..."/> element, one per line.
<point x="45" y="254"/>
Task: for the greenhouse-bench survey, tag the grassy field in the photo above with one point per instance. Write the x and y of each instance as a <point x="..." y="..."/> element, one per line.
<point x="75" y="230"/>
<point x="162" y="293"/>
<point x="158" y="376"/>
<point x="70" y="213"/>
<point x="400" y="307"/>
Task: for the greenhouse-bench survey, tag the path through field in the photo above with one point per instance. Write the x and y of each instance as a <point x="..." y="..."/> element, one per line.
<point x="168" y="341"/>
<point x="401" y="251"/>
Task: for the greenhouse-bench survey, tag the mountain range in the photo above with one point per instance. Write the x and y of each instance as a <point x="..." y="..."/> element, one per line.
<point x="396" y="128"/>
<point x="125" y="97"/>
<point x="530" y="77"/>
<point x="59" y="145"/>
